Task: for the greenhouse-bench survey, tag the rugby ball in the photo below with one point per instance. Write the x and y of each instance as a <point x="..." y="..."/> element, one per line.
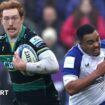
<point x="27" y="54"/>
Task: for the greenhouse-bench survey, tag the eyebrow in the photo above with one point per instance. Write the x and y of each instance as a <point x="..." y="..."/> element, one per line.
<point x="93" y="40"/>
<point x="11" y="16"/>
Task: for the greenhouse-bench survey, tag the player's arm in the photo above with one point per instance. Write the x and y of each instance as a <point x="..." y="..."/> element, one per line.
<point x="47" y="64"/>
<point x="47" y="61"/>
<point x="74" y="85"/>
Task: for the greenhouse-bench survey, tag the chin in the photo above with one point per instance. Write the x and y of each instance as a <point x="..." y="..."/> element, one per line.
<point x="96" y="54"/>
<point x="12" y="35"/>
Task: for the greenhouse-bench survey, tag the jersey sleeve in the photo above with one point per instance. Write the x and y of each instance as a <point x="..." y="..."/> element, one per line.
<point x="71" y="66"/>
<point x="72" y="63"/>
<point x="38" y="44"/>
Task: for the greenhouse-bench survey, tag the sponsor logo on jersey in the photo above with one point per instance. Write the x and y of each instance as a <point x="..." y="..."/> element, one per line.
<point x="69" y="62"/>
<point x="36" y="40"/>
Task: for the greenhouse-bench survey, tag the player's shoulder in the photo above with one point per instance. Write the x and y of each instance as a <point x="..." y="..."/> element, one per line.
<point x="103" y="44"/>
<point x="74" y="51"/>
<point x="29" y="33"/>
<point x="32" y="36"/>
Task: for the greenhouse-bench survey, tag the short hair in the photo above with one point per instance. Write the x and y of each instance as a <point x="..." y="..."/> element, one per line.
<point x="83" y="30"/>
<point x="11" y="4"/>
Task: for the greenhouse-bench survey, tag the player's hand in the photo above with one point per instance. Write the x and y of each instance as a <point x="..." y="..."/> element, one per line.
<point x="100" y="70"/>
<point x="18" y="63"/>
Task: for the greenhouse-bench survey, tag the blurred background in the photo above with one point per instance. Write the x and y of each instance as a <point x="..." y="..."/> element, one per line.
<point x="56" y="22"/>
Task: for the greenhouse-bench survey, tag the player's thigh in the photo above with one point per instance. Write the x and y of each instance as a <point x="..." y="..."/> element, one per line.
<point x="31" y="97"/>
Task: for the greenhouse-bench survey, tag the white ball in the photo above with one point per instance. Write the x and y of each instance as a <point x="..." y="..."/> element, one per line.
<point x="27" y="54"/>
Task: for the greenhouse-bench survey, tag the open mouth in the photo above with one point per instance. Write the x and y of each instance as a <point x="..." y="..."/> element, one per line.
<point x="96" y="51"/>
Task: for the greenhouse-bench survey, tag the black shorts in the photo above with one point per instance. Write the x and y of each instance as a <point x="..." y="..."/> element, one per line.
<point x="46" y="96"/>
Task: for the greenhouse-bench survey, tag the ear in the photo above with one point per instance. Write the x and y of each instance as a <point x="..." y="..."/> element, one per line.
<point x="79" y="42"/>
<point x="22" y="19"/>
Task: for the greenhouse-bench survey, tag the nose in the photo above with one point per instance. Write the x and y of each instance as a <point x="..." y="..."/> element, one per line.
<point x="10" y="22"/>
<point x="96" y="44"/>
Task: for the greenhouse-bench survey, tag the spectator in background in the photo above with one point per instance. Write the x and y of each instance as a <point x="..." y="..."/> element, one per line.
<point x="49" y="19"/>
<point x="84" y="14"/>
<point x="72" y="4"/>
<point x="35" y="7"/>
<point x="58" y="4"/>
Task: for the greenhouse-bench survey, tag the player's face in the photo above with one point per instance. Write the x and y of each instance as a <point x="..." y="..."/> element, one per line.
<point x="91" y="44"/>
<point x="12" y="22"/>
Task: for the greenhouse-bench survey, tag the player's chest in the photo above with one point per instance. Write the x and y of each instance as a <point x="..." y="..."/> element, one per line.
<point x="89" y="64"/>
<point x="7" y="48"/>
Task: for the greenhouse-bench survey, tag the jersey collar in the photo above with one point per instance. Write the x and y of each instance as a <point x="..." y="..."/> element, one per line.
<point x="18" y="39"/>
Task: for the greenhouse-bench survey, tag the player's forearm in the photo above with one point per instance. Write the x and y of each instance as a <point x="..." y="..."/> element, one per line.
<point x="76" y="86"/>
<point x="47" y="64"/>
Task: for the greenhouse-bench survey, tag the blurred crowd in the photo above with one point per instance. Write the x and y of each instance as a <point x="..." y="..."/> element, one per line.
<point x="56" y="22"/>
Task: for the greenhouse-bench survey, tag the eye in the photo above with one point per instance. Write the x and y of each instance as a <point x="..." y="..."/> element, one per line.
<point x="6" y="18"/>
<point x="14" y="17"/>
<point x="90" y="42"/>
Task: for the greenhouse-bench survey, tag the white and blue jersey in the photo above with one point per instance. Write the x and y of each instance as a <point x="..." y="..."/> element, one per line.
<point x="77" y="64"/>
